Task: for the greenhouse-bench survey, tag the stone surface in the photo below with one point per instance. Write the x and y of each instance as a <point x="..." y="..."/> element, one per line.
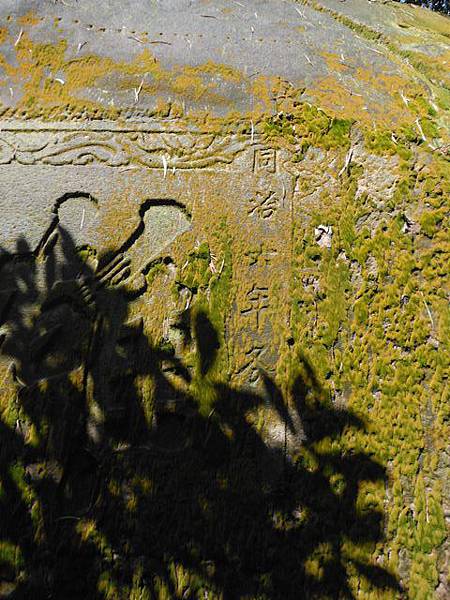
<point x="112" y="190"/>
<point x="215" y="56"/>
<point x="224" y="299"/>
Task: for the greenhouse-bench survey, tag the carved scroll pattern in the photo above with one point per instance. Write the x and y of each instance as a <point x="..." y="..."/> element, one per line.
<point x="120" y="149"/>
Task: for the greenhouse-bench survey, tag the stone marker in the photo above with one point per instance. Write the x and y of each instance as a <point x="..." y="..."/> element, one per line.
<point x="277" y="166"/>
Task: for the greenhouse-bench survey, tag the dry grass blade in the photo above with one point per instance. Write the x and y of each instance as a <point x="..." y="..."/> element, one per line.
<point x="419" y="127"/>
<point x="348" y="158"/>
<point x="133" y="37"/>
<point x="138" y="91"/>
<point x="19" y="38"/>
<point x="80" y="46"/>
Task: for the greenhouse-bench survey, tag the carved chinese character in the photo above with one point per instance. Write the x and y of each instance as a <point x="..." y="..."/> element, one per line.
<point x="264" y="204"/>
<point x="260" y="254"/>
<point x="251" y="369"/>
<point x="265" y="160"/>
<point x="258" y="301"/>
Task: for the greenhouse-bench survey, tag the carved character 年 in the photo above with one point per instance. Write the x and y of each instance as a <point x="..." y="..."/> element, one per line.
<point x="258" y="301"/>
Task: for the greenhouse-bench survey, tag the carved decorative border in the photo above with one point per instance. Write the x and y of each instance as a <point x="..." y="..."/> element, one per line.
<point x="145" y="145"/>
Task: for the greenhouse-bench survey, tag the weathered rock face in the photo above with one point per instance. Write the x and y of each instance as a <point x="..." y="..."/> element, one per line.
<point x="224" y="300"/>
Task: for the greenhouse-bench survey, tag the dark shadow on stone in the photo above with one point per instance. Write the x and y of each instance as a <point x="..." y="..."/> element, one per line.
<point x="113" y="479"/>
<point x="207" y="342"/>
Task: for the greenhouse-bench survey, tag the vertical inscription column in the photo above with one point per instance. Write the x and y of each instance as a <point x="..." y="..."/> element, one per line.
<point x="261" y="271"/>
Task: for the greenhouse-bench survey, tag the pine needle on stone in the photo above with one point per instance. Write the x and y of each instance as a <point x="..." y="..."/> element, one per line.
<point x="19" y="38"/>
<point x="138" y="91"/>
<point x="348" y="158"/>
<point x="419" y="127"/>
